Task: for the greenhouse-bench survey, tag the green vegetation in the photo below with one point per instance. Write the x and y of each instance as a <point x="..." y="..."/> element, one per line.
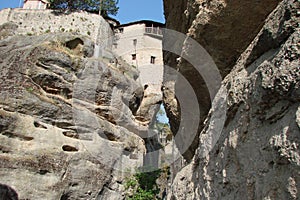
<point x="107" y="7"/>
<point x="30" y="89"/>
<point x="142" y="186"/>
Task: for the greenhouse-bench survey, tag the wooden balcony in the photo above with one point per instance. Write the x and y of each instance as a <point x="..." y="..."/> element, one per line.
<point x="154" y="31"/>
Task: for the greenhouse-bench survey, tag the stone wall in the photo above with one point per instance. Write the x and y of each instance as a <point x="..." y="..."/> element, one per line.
<point x="33" y="22"/>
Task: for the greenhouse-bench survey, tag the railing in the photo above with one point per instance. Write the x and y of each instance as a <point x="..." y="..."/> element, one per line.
<point x="154" y="30"/>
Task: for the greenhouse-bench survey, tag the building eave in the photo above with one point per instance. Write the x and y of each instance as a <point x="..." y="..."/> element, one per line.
<point x="44" y="1"/>
<point x="142" y="22"/>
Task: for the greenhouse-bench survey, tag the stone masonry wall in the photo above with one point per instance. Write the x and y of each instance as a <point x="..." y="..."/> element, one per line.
<point x="32" y="22"/>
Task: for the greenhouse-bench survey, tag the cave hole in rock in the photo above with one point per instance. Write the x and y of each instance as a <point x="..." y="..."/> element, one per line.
<point x="75" y="43"/>
<point x="39" y="125"/>
<point x="107" y="135"/>
<point x="145" y="87"/>
<point x="66" y="196"/>
<point x="69" y="148"/>
<point x="71" y="134"/>
<point x="43" y="171"/>
<point x="136" y="99"/>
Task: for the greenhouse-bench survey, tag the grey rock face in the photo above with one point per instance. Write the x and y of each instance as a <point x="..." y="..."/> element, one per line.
<point x="224" y="29"/>
<point x="257" y="154"/>
<point x="61" y="134"/>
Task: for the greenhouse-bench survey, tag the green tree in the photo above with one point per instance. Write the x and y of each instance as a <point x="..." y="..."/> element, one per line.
<point x="106" y="6"/>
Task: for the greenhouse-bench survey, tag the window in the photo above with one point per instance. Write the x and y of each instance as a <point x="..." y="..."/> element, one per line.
<point x="121" y="30"/>
<point x="152" y="60"/>
<point x="133" y="56"/>
<point x="134" y="42"/>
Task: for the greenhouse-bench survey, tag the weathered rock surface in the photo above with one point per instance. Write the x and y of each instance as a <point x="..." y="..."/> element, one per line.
<point x="257" y="154"/>
<point x="224" y="29"/>
<point x="66" y="124"/>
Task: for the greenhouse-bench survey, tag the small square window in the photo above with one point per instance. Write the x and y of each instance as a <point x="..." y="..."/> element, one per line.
<point x="121" y="30"/>
<point x="133" y="56"/>
<point x="152" y="60"/>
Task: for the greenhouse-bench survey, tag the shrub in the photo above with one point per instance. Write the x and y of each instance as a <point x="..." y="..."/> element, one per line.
<point x="142" y="186"/>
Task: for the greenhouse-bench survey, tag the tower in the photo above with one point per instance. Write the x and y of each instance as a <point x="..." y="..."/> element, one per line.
<point x="35" y="4"/>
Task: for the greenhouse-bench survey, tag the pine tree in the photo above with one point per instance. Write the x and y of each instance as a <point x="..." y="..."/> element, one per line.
<point x="106" y="6"/>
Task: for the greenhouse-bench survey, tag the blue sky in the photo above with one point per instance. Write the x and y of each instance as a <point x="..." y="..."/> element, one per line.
<point x="130" y="10"/>
<point x="9" y="3"/>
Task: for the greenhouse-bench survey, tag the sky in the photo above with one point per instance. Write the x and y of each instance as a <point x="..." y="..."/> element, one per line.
<point x="129" y="10"/>
<point x="133" y="10"/>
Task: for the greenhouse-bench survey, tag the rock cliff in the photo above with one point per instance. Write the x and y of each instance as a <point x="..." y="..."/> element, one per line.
<point x="224" y="29"/>
<point x="67" y="124"/>
<point x="72" y="123"/>
<point x="256" y="47"/>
